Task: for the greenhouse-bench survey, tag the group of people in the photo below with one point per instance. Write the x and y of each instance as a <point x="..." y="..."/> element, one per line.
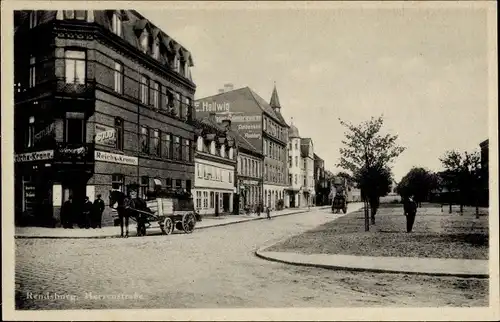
<point x="84" y="214"/>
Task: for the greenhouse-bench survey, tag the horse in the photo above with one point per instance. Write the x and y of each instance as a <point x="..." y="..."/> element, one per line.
<point x="121" y="201"/>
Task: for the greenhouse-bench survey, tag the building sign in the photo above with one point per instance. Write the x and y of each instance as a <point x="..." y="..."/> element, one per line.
<point x="29" y="197"/>
<point x="34" y="156"/>
<point x="46" y="132"/>
<point x="115" y="158"/>
<point x="211" y="107"/>
<point x="105" y="135"/>
<point x="72" y="154"/>
<point x="249" y="182"/>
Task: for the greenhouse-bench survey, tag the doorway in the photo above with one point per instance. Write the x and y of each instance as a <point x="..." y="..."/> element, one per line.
<point x="216" y="203"/>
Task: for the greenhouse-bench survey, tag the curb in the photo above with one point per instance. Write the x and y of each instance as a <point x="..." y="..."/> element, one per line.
<point x="155" y="233"/>
<point x="259" y="253"/>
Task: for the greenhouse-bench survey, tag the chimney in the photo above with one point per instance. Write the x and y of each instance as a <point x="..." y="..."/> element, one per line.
<point x="226" y="123"/>
<point x="228" y="87"/>
<point x="221" y="91"/>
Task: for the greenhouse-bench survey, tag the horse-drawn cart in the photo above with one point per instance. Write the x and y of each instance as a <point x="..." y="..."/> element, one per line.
<point x="173" y="213"/>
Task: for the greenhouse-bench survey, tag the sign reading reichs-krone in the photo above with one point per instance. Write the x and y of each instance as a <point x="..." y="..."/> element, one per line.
<point x="116" y="158"/>
<point x="34" y="156"/>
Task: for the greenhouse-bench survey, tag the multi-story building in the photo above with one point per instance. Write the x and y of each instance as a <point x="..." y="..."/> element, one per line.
<point x="102" y="99"/>
<point x="249" y="172"/>
<point x="262" y="125"/>
<point x="308" y="186"/>
<point x="295" y="174"/>
<point x="215" y="161"/>
<point x="321" y="183"/>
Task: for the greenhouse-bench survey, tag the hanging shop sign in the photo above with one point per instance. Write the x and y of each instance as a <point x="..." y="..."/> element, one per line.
<point x="72" y="154"/>
<point x="250" y="182"/>
<point x="116" y="158"/>
<point x="105" y="135"/>
<point x="46" y="132"/>
<point x="34" y="156"/>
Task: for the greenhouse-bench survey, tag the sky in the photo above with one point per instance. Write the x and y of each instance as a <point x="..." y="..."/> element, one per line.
<point x="425" y="70"/>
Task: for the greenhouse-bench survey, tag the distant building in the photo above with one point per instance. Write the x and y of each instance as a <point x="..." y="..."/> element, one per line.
<point x="262" y="125"/>
<point x="321" y="183"/>
<point x="307" y="162"/>
<point x="215" y="161"/>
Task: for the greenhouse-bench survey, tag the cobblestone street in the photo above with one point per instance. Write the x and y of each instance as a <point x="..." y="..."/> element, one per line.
<point x="211" y="268"/>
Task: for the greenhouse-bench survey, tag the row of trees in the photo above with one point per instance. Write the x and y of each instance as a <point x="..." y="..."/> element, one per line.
<point x="368" y="156"/>
<point x="462" y="178"/>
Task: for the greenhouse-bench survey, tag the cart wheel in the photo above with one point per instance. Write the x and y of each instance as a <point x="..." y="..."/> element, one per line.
<point x="168" y="226"/>
<point x="188" y="223"/>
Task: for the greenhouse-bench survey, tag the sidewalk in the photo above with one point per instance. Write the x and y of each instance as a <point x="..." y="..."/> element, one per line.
<point x="154" y="229"/>
<point x="408" y="265"/>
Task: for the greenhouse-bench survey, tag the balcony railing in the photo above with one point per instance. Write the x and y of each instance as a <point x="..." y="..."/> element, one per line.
<point x="80" y="89"/>
<point x="74" y="152"/>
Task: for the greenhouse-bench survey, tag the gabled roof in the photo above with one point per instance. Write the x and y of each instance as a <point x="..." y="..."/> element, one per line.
<point x="267" y="108"/>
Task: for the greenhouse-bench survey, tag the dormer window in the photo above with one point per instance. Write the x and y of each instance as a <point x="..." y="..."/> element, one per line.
<point x="33" y="19"/>
<point x="75" y="14"/>
<point x="176" y="63"/>
<point x="182" y="68"/>
<point x="117" y="24"/>
<point x="223" y="151"/>
<point x="231" y="153"/>
<point x="212" y="147"/>
<point x="144" y="41"/>
<point x="156" y="48"/>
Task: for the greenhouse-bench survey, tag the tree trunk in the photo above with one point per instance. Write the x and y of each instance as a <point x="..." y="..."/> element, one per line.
<point x="367" y="220"/>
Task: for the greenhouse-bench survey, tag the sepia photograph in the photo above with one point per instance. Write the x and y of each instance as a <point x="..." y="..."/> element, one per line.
<point x="282" y="156"/>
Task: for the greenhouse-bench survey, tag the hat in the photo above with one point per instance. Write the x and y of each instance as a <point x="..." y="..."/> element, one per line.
<point x="132" y="187"/>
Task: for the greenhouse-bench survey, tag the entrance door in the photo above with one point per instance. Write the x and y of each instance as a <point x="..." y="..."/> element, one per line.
<point x="292" y="200"/>
<point x="225" y="201"/>
<point x="216" y="203"/>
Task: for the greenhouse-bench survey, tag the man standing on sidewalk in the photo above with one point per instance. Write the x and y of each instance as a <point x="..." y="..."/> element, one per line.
<point x="67" y="213"/>
<point x="97" y="212"/>
<point x="268" y="212"/>
<point x="410" y="211"/>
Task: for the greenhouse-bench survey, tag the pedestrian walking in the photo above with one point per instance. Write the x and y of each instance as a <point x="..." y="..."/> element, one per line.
<point x="410" y="211"/>
<point x="99" y="207"/>
<point x="268" y="213"/>
<point x="87" y="213"/>
<point x="66" y="213"/>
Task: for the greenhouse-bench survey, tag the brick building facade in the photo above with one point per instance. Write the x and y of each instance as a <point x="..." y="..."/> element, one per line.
<point x="102" y="99"/>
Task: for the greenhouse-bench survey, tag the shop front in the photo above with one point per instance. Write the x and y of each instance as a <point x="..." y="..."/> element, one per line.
<point x="45" y="179"/>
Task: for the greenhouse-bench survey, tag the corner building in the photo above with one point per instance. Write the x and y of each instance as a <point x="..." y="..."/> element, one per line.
<point x="102" y="99"/>
<point x="263" y="128"/>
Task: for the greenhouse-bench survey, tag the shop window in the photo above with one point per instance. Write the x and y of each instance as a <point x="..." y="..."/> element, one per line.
<point x="144" y="139"/>
<point x="198" y="199"/>
<point x="144" y="187"/>
<point x="118" y="182"/>
<point x="32" y="78"/>
<point x="144" y="89"/>
<point x="117" y="24"/>
<point x="205" y="199"/>
<point x="167" y="146"/>
<point x="118" y="79"/>
<point x="75" y="63"/>
<point x="119" y="133"/>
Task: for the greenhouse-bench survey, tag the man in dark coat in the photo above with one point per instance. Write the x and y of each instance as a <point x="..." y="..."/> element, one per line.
<point x="137" y="203"/>
<point x="87" y="213"/>
<point x="66" y="213"/>
<point x="410" y="211"/>
<point x="99" y="207"/>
